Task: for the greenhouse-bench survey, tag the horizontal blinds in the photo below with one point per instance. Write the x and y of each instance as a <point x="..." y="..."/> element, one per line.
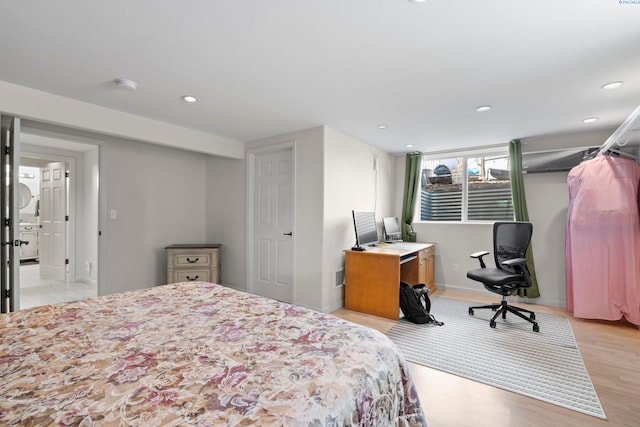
<point x="486" y="201"/>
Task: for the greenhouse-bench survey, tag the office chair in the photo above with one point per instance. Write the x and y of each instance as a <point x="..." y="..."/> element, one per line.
<point x="510" y="243"/>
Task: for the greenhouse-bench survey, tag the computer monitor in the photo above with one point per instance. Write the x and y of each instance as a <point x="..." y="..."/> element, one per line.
<point x="392" y="228"/>
<point x="364" y="224"/>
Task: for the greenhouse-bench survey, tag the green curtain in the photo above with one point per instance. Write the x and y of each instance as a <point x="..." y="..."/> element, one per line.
<point x="411" y="188"/>
<point x="521" y="212"/>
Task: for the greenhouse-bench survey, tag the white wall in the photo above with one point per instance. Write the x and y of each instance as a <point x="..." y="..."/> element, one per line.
<point x="350" y="183"/>
<point x="87" y="238"/>
<point x="225" y="216"/>
<point x="548" y="206"/>
<point x="547" y="201"/>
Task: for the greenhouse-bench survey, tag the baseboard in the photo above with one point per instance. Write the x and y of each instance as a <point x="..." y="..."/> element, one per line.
<point x="482" y="292"/>
<point x="87" y="281"/>
<point x="462" y="289"/>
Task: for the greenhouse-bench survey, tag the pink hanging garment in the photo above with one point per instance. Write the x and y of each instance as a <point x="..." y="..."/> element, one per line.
<point x="603" y="240"/>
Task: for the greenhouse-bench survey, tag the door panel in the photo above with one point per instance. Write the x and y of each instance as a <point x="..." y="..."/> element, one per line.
<point x="53" y="218"/>
<point x="10" y="215"/>
<point x="273" y="225"/>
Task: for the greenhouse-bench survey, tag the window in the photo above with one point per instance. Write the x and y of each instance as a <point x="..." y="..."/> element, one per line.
<point x="466" y="188"/>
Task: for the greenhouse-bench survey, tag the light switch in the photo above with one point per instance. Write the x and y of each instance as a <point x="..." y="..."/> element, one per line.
<point x="114" y="214"/>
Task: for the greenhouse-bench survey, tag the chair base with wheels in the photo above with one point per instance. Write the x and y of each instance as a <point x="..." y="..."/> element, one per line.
<point x="502" y="309"/>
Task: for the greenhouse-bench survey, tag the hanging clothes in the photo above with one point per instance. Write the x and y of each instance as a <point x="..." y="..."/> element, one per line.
<point x="603" y="239"/>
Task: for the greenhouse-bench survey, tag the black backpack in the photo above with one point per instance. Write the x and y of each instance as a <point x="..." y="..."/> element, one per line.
<point x="415" y="304"/>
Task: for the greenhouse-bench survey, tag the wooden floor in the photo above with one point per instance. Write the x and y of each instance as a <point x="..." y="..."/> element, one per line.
<point x="611" y="352"/>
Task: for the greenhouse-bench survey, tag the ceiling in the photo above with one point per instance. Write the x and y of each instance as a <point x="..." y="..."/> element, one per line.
<point x="263" y="68"/>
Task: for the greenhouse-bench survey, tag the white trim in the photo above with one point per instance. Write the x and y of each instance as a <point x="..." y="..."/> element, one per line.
<point x="46" y="107"/>
<point x="467" y="152"/>
<point x="488" y="151"/>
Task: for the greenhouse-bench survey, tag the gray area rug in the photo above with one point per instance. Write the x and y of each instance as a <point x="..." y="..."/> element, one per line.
<point x="544" y="365"/>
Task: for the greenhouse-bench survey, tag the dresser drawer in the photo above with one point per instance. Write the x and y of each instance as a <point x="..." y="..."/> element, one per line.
<point x="193" y="274"/>
<point x="195" y="259"/>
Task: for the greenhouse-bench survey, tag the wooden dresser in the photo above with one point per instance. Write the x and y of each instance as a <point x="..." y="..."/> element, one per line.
<point x="191" y="262"/>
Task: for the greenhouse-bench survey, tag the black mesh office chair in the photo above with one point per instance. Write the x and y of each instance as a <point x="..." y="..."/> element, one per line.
<point x="510" y="243"/>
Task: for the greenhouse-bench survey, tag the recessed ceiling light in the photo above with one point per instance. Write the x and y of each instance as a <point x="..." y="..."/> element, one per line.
<point x="382" y="126"/>
<point x="611" y="85"/>
<point x="189" y="98"/>
<point x="409" y="145"/>
<point x="590" y="119"/>
<point x="483" y="108"/>
<point x="126" y="84"/>
<point x="417" y="1"/>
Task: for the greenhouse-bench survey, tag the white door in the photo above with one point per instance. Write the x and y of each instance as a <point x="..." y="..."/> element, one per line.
<point x="10" y="215"/>
<point x="273" y="225"/>
<point x="53" y="218"/>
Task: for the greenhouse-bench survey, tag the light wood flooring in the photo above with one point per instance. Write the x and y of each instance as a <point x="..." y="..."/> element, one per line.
<point x="611" y="353"/>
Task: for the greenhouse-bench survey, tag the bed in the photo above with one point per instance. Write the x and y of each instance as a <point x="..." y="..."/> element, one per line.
<point x="198" y="354"/>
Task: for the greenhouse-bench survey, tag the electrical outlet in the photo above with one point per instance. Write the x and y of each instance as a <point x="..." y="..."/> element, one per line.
<point x="454" y="268"/>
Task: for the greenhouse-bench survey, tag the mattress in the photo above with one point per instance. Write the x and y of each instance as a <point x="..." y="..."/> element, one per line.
<point x="198" y="354"/>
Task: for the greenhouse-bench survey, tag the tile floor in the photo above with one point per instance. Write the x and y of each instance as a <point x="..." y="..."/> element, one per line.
<point x="35" y="291"/>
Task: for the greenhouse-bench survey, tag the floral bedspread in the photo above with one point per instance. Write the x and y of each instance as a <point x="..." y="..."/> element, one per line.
<point x="198" y="354"/>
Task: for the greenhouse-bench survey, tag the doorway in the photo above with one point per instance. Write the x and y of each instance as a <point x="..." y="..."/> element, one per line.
<point x="60" y="263"/>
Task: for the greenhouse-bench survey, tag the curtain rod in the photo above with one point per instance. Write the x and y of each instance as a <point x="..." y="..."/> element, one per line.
<point x="464" y="151"/>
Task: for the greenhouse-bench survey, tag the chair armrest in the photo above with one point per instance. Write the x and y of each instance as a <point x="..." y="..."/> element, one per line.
<point x="514" y="262"/>
<point x="520" y="266"/>
<point x="478" y="256"/>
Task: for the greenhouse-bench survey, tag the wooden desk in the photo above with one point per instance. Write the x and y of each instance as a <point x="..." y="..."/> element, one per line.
<point x="372" y="277"/>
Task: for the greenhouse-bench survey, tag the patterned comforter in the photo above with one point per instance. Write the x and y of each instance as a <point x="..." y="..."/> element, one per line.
<point x="198" y="354"/>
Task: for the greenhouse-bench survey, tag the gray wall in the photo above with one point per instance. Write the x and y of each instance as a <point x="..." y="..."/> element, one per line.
<point x="159" y="194"/>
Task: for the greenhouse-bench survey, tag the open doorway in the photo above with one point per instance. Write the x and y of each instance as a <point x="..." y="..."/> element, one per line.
<point x="59" y="220"/>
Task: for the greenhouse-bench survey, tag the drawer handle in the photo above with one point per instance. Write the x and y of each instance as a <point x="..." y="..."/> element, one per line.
<point x="192" y="261"/>
<point x="195" y="278"/>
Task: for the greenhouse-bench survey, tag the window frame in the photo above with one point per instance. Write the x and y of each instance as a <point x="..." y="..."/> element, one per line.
<point x="498" y="150"/>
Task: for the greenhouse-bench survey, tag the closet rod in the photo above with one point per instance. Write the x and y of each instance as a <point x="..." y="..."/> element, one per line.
<point x="624" y="128"/>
